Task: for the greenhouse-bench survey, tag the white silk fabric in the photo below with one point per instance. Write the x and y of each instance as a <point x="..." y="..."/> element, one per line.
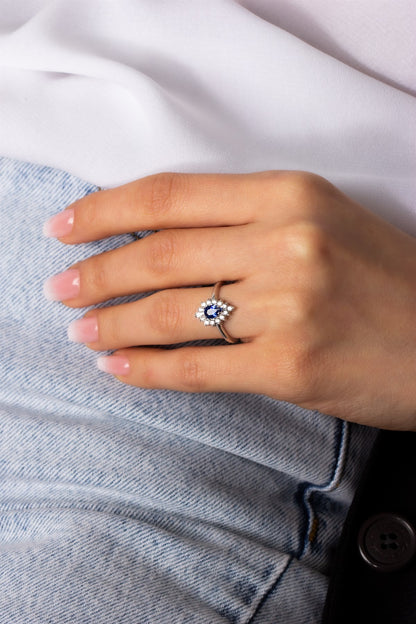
<point x="112" y="90"/>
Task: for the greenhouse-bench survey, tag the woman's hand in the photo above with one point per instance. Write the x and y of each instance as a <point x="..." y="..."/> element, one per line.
<point x="324" y="292"/>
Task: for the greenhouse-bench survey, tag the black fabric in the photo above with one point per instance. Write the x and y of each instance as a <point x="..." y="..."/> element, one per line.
<point x="358" y="593"/>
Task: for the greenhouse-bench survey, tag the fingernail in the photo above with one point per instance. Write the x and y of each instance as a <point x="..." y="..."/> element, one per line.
<point x="62" y="286"/>
<point x="114" y="364"/>
<point x="83" y="330"/>
<point x="60" y="224"/>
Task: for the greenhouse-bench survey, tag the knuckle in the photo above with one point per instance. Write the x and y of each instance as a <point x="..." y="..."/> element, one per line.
<point x="90" y="217"/>
<point x="304" y="190"/>
<point x="165" y="316"/>
<point x="150" y="375"/>
<point x="308" y="243"/>
<point x="301" y="191"/>
<point x="309" y="263"/>
<point x="163" y="192"/>
<point x="110" y="328"/>
<point x="299" y="307"/>
<point x="95" y="278"/>
<point x="314" y="254"/>
<point x="303" y="183"/>
<point x="192" y="375"/>
<point x="162" y="256"/>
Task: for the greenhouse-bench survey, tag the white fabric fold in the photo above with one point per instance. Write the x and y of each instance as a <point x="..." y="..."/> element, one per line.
<point x="115" y="90"/>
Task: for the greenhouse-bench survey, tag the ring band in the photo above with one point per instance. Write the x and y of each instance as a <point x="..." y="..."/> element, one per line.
<point x="215" y="311"/>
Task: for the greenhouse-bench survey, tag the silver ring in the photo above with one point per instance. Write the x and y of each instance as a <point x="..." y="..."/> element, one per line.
<point x="215" y="312"/>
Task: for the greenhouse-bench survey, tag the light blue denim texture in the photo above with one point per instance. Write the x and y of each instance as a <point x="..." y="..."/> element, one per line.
<point x="128" y="506"/>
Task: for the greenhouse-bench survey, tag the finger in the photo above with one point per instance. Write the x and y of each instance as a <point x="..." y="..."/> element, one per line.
<point x="166" y="317"/>
<point x="188" y="369"/>
<point x="166" y="200"/>
<point x="167" y="259"/>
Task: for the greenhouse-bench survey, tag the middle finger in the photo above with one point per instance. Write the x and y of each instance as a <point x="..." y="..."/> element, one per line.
<point x="166" y="259"/>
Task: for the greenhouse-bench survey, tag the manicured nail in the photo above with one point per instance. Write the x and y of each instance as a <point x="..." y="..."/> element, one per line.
<point x="114" y="364"/>
<point x="83" y="330"/>
<point x="62" y="286"/>
<point x="60" y="224"/>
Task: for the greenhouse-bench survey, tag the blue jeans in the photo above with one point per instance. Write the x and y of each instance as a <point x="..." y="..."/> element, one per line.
<point x="128" y="506"/>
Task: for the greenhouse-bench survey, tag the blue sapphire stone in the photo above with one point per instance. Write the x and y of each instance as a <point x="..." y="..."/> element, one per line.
<point x="212" y="311"/>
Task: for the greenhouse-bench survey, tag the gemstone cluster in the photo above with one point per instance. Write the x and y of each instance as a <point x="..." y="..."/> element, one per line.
<point x="213" y="312"/>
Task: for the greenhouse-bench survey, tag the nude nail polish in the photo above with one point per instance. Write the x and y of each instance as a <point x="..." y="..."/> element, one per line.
<point x="62" y="286"/>
<point x="114" y="364"/>
<point x="83" y="330"/>
<point x="60" y="224"/>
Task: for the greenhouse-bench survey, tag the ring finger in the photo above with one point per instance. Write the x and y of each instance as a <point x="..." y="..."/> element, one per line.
<point x="166" y="317"/>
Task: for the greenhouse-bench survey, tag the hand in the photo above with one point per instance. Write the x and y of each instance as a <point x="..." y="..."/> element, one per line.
<point x="324" y="292"/>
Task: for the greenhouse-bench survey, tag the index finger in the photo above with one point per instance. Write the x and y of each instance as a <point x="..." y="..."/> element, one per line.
<point x="165" y="200"/>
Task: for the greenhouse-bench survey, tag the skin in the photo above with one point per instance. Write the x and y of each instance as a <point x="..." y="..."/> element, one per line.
<point x="324" y="291"/>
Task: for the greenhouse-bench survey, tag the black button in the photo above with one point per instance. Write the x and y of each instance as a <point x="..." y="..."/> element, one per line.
<point x="387" y="542"/>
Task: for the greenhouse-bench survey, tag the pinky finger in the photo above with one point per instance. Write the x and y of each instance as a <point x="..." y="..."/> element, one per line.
<point x="187" y="369"/>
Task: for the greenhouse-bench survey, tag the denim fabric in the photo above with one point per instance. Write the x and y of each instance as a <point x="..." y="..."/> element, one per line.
<point x="130" y="506"/>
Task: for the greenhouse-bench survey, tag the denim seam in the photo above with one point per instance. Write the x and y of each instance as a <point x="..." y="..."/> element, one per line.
<point x="340" y="458"/>
<point x="267" y="593"/>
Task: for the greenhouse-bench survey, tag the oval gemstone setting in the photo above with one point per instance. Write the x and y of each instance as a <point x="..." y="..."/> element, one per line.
<point x="212" y="311"/>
